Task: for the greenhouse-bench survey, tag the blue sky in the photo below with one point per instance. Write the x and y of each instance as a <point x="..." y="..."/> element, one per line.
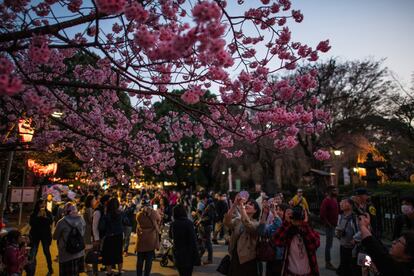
<point x="360" y="29"/>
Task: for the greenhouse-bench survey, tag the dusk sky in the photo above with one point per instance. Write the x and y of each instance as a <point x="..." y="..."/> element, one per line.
<point x="360" y="29"/>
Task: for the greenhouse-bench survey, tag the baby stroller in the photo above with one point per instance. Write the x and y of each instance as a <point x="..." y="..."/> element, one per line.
<point x="166" y="253"/>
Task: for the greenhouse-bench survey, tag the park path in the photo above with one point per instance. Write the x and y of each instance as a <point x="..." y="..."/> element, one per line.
<point x="157" y="270"/>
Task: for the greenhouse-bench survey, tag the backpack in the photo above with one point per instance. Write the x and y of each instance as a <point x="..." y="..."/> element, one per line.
<point x="74" y="242"/>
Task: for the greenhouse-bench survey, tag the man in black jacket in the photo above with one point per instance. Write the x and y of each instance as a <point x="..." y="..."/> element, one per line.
<point x="399" y="260"/>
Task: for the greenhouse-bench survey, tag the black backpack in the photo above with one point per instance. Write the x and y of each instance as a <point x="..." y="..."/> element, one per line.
<point x="74" y="242"/>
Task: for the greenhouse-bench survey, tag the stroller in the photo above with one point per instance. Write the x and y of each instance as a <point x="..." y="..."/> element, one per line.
<point x="166" y="253"/>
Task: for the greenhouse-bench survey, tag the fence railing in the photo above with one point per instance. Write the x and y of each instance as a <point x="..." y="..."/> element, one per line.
<point x="387" y="207"/>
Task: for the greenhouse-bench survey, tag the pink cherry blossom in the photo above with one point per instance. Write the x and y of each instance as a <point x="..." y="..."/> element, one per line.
<point x="111" y="6"/>
<point x="321" y="155"/>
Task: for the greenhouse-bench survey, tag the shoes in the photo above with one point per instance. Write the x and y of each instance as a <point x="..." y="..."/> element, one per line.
<point x="330" y="266"/>
<point x="207" y="262"/>
<point x="215" y="242"/>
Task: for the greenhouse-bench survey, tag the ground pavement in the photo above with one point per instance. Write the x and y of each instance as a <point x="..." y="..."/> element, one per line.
<point x="157" y="270"/>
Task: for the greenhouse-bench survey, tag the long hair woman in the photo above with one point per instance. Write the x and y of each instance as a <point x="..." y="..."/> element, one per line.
<point x="41" y="221"/>
<point x="112" y="244"/>
<point x="243" y="240"/>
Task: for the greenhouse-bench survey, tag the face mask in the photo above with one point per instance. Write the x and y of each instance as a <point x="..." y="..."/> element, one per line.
<point x="406" y="209"/>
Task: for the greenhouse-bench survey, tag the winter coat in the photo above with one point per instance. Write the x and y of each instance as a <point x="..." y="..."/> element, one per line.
<point x="148" y="221"/>
<point x="61" y="235"/>
<point x="41" y="227"/>
<point x="185" y="243"/>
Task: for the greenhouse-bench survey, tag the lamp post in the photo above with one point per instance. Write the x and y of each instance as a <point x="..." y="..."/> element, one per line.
<point x="25" y="132"/>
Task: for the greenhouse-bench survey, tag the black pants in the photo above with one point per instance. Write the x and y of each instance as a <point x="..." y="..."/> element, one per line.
<point x="46" y="251"/>
<point x="185" y="271"/>
<point x="347" y="265"/>
<point x="144" y="257"/>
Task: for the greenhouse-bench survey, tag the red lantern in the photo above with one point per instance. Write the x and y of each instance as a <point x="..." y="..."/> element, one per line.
<point x="25" y="130"/>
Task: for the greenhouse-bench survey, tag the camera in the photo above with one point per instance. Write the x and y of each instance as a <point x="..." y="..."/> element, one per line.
<point x="297" y="213"/>
<point x="339" y="232"/>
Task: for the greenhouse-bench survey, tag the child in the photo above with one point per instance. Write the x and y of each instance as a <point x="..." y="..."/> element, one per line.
<point x="15" y="255"/>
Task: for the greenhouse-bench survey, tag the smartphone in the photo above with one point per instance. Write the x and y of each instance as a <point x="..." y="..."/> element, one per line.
<point x="244" y="195"/>
<point x="155" y="206"/>
<point x="364" y="260"/>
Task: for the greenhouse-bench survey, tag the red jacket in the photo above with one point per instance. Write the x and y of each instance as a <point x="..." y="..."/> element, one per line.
<point x="329" y="211"/>
<point x="284" y="235"/>
<point x="14" y="259"/>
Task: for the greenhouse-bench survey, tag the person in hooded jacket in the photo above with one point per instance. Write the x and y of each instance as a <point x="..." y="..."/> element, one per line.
<point x="70" y="264"/>
<point x="185" y="242"/>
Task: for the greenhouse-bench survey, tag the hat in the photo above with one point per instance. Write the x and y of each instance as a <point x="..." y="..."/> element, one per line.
<point x="361" y="191"/>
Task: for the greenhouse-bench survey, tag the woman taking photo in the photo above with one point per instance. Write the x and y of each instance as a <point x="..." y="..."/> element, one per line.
<point x="185" y="242"/>
<point x="244" y="236"/>
<point x="41" y="231"/>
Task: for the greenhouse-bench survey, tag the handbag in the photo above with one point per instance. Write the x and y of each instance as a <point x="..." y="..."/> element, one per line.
<point x="265" y="252"/>
<point x="93" y="257"/>
<point x="224" y="265"/>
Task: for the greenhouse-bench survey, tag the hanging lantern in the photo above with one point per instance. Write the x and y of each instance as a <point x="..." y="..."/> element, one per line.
<point x="25" y="130"/>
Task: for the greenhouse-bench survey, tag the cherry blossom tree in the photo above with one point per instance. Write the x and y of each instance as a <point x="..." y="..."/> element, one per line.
<point x="147" y="48"/>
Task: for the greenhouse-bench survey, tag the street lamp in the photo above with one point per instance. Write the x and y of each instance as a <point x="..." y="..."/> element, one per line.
<point x="25" y="133"/>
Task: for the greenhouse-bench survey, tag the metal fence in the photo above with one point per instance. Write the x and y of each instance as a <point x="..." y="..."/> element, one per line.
<point x="387" y="206"/>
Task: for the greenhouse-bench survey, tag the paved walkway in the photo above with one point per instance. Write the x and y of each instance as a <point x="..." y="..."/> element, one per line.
<point x="157" y="270"/>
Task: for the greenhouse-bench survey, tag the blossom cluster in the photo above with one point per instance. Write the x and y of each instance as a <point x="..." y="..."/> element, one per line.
<point x="82" y="62"/>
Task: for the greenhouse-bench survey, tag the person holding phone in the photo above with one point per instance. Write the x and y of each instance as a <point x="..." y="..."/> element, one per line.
<point x="300" y="242"/>
<point x="399" y="260"/>
<point x="243" y="240"/>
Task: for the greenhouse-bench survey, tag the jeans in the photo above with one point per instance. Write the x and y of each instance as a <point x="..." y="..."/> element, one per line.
<point x="207" y="241"/>
<point x="330" y="232"/>
<point x="127" y="236"/>
<point x="146" y="257"/>
<point x="46" y="251"/>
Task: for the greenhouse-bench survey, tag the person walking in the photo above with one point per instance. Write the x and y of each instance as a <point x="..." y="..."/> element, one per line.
<point x="329" y="216"/>
<point x="112" y="242"/>
<point x="185" y="242"/>
<point x="87" y="215"/>
<point x="128" y="217"/>
<point x="148" y="229"/>
<point x="243" y="240"/>
<point x="41" y="221"/>
<point x="68" y="229"/>
<point x="205" y="224"/>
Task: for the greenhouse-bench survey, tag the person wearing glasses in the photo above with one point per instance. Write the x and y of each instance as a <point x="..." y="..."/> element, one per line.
<point x="399" y="260"/>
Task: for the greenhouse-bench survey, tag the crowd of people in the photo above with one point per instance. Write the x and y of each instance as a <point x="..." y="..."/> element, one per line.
<point x="265" y="235"/>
